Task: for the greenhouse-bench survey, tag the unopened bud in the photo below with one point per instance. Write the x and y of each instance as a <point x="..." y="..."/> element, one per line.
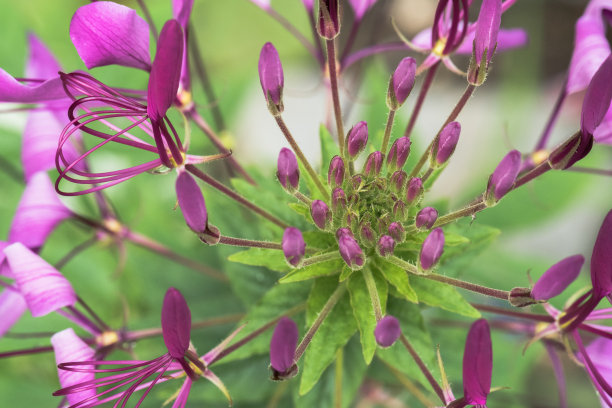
<point x="282" y="349"/>
<point x="401" y="83"/>
<point x="373" y="164"/>
<point x="414" y="191"/>
<point x="397" y="231"/>
<point x="357" y="182"/>
<point x="432" y="249"/>
<point x="521" y="297"/>
<point x="293" y="246"/>
<point x="271" y="78"/>
<point x="426" y="218"/>
<point x="328" y="24"/>
<point x="321" y="215"/>
<point x="288" y="172"/>
<point x="503" y="178"/>
<point x="338" y="201"/>
<point x="397" y="182"/>
<point x="398" y="153"/>
<point x="349" y="249"/>
<point x="445" y="144"/>
<point x="367" y="235"/>
<point x="385" y="246"/>
<point x="357" y="139"/>
<point x="335" y="174"/>
<point x="387" y="331"/>
<point x="400" y="211"/>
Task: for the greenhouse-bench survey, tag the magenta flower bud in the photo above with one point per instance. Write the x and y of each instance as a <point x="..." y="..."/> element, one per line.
<point x="397" y="182"/>
<point x="399" y="210"/>
<point x="338" y="201"/>
<point x="335" y="174"/>
<point x="293" y="246"/>
<point x="385" y="246"/>
<point x="387" y="331"/>
<point x="192" y="202"/>
<point x="397" y="231"/>
<point x="477" y="364"/>
<point x="367" y="235"/>
<point x="176" y="323"/>
<point x="414" y="191"/>
<point x="487" y="27"/>
<point x="328" y="24"/>
<point x="432" y="249"/>
<point x="401" y="83"/>
<point x="426" y="218"/>
<point x="349" y="249"/>
<point x="445" y="144"/>
<point x="357" y="181"/>
<point x="271" y="78"/>
<point x="321" y="215"/>
<point x="288" y="172"/>
<point x="398" y="153"/>
<point x="503" y="178"/>
<point x="282" y="349"/>
<point x="601" y="260"/>
<point x="357" y="139"/>
<point x="557" y="278"/>
<point x="373" y="164"/>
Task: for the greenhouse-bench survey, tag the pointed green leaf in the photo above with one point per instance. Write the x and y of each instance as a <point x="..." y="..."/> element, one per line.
<point x="270" y="258"/>
<point x="334" y="332"/>
<point x="313" y="271"/>
<point x="301" y="209"/>
<point x="441" y="295"/>
<point x="398" y="278"/>
<point x="361" y="302"/>
<point x="346" y="272"/>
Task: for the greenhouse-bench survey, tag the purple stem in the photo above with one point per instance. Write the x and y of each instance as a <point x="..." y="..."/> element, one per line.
<point x="428" y="375"/>
<point x="553" y="118"/>
<point x="248" y="243"/>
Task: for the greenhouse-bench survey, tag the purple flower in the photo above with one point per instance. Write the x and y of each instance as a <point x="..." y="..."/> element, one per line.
<point x="398" y="154"/>
<point x="288" y="172"/>
<point x="477" y="364"/>
<point x="321" y="215"/>
<point x="335" y="174"/>
<point x="282" y="349"/>
<point x="385" y="246"/>
<point x="557" y="278"/>
<point x="503" y="178"/>
<point x="328" y="23"/>
<point x="271" y="78"/>
<point x="360" y="7"/>
<point x="487" y="27"/>
<point x="294" y="246"/>
<point x="357" y="139"/>
<point x="349" y="249"/>
<point x="426" y="218"/>
<point x="432" y="249"/>
<point x="387" y="331"/>
<point x="401" y="83"/>
<point x="445" y="144"/>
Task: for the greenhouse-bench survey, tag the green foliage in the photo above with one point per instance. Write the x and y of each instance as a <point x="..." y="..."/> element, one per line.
<point x="313" y="271"/>
<point x="441" y="295"/>
<point x="397" y="277"/>
<point x="270" y="258"/>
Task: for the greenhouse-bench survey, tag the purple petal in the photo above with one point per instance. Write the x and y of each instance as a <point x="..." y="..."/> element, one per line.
<point x="181" y="11"/>
<point x="176" y="323"/>
<point x="320" y="214"/>
<point x="181" y="398"/>
<point x="282" y="345"/>
<point x="387" y="331"/>
<point x="597" y="98"/>
<point x="487" y="27"/>
<point x="477" y="363"/>
<point x="45" y="289"/>
<point x="106" y="33"/>
<point x="601" y="259"/>
<point x="69" y="348"/>
<point x="349" y="249"/>
<point x="385" y="245"/>
<point x="403" y="79"/>
<point x="271" y="74"/>
<point x="12" y="306"/>
<point x="288" y="172"/>
<point x="449" y="137"/>
<point x="309" y="4"/>
<point x="12" y="90"/>
<point x="432" y="249"/>
<point x="426" y="218"/>
<point x="335" y="173"/>
<point x="263" y="4"/>
<point x="360" y="7"/>
<point x="557" y="278"/>
<point x="507" y="39"/>
<point x="603" y="133"/>
<point x="41" y="63"/>
<point x="192" y="202"/>
<point x="38" y="213"/>
<point x="166" y="70"/>
<point x="4" y="267"/>
<point x="591" y="48"/>
<point x="293" y="246"/>
<point x="357" y="139"/>
<point x="504" y="176"/>
<point x="423" y="40"/>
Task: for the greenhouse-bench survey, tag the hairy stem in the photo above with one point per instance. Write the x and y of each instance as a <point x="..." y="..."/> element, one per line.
<point x="248" y="243"/>
<point x="333" y="80"/>
<point x="388" y="129"/>
<point x="428" y="375"/>
<point x="431" y="73"/>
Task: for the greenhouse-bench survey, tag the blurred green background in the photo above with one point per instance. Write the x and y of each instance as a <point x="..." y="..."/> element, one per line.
<point x="541" y="223"/>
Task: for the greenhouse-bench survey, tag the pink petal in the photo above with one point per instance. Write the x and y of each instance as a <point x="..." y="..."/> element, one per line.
<point x="41" y="63"/>
<point x="45" y="289"/>
<point x="68" y="348"/>
<point x="423" y="40"/>
<point x="12" y="90"/>
<point x="557" y="278"/>
<point x="38" y="213"/>
<point x="106" y="33"/>
<point x="360" y="7"/>
<point x="4" y="268"/>
<point x="192" y="202"/>
<point x="12" y="306"/>
<point x="181" y="398"/>
<point x="477" y="363"/>
<point x="603" y="133"/>
<point x="181" y="11"/>
<point x="507" y="39"/>
<point x="591" y="48"/>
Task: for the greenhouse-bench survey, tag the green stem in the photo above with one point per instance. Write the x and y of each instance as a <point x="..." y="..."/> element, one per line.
<point x="302" y="198"/>
<point x="338" y="380"/>
<point x="333" y="80"/>
<point x="464" y="212"/>
<point x="74" y="252"/>
<point x="371" y="284"/>
<point x="428" y="375"/>
<point x="331" y="302"/>
<point x="388" y="129"/>
<point x="315" y="177"/>
<point x="535" y="172"/>
<point x="512" y="313"/>
<point x="320" y="258"/>
<point x="240" y="242"/>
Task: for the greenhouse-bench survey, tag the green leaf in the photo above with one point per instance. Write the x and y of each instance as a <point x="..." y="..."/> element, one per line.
<point x="270" y="258"/>
<point x="413" y="327"/>
<point x="329" y="148"/>
<point x="363" y="311"/>
<point x="334" y="332"/>
<point x="313" y="190"/>
<point x="279" y="301"/>
<point x="441" y="295"/>
<point x="313" y="271"/>
<point x="320" y="239"/>
<point x="398" y="278"/>
<point x="301" y="209"/>
<point x="457" y="258"/>
<point x="451" y="239"/>
<point x="346" y="272"/>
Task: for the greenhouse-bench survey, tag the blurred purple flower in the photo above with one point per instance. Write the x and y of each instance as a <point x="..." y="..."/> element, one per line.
<point x="282" y="349"/>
